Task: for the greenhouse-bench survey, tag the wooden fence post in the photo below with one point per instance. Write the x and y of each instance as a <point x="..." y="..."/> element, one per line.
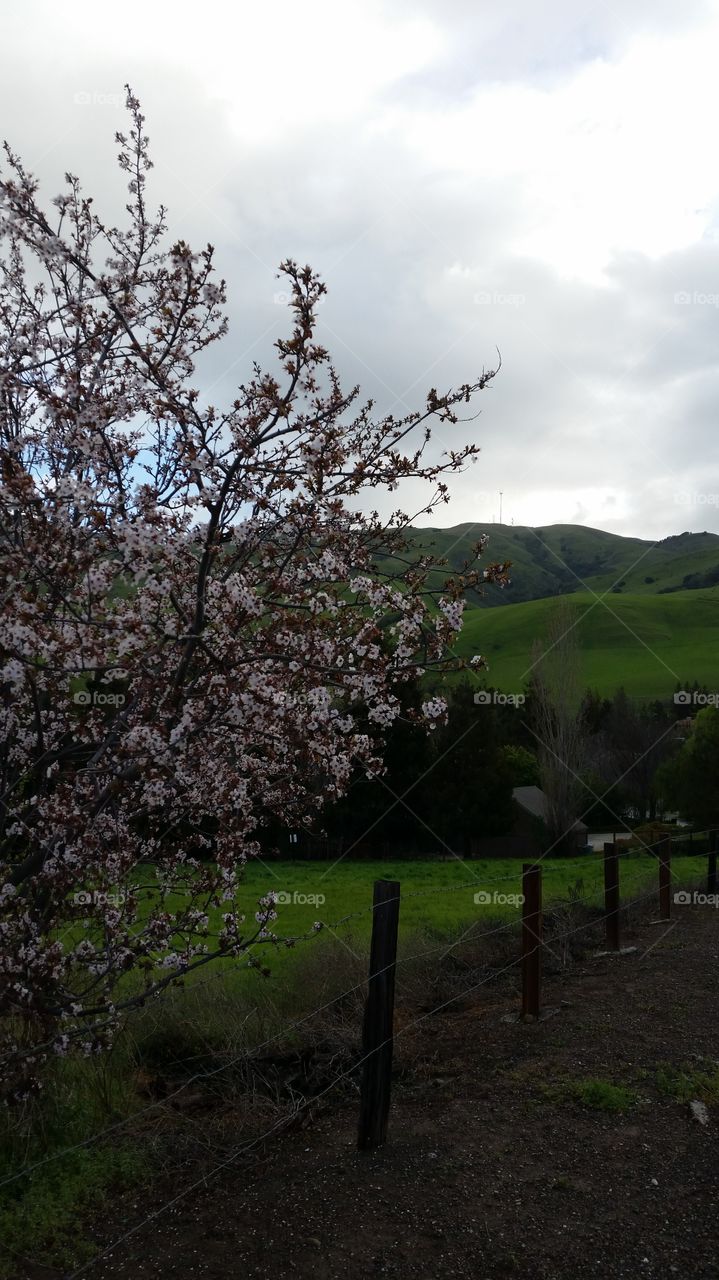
<point x="712" y="863"/>
<point x="611" y="896"/>
<point x="665" y="877"/>
<point x="378" y="1018"/>
<point x="531" y="938"/>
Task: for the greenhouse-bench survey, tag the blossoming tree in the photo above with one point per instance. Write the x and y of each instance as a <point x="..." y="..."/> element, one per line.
<point x="192" y="616"/>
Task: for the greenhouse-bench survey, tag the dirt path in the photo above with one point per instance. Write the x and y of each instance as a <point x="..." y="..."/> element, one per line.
<point x="487" y="1174"/>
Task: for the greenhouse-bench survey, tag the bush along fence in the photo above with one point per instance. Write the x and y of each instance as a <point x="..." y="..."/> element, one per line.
<point x="378" y="1034"/>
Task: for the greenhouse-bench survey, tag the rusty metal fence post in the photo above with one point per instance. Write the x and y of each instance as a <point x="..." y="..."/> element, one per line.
<point x="665" y="877"/>
<point x="531" y="938"/>
<point x="611" y="896"/>
<point x="712" y="864"/>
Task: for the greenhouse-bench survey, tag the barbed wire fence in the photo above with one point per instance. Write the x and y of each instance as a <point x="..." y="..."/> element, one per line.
<point x="251" y="1144"/>
<point x="534" y="944"/>
<point x="444" y="947"/>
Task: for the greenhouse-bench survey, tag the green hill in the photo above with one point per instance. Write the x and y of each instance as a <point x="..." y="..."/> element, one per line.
<point x="562" y="559"/>
<point x="645" y="642"/>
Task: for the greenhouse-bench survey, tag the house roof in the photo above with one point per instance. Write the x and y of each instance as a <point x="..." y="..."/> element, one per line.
<point x="534" y="801"/>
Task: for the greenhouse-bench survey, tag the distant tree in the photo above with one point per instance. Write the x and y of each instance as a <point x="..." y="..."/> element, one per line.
<point x="691" y="780"/>
<point x="468" y="793"/>
<point x="636" y="741"/>
<point x="595" y="711"/>
<point x="522" y="764"/>
<point x="558" y="727"/>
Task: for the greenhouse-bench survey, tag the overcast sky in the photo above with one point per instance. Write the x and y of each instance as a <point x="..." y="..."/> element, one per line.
<point x="542" y="179"/>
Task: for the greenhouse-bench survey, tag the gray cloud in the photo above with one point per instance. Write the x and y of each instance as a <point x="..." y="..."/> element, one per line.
<point x="522" y="179"/>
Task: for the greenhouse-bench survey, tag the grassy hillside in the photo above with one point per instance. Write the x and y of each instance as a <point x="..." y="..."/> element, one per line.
<point x="561" y="559"/>
<point x="658" y="626"/>
<point x="644" y="642"/>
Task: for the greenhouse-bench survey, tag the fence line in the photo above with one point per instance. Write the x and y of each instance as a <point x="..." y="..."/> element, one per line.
<point x="245" y="1147"/>
<point x="248" y="1055"/>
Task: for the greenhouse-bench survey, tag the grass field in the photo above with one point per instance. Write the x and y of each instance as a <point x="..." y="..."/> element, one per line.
<point x="645" y="643"/>
<point x="436" y="900"/>
<point x="646" y="637"/>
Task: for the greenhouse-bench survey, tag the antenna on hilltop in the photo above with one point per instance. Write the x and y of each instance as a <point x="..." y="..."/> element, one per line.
<point x="500" y="506"/>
